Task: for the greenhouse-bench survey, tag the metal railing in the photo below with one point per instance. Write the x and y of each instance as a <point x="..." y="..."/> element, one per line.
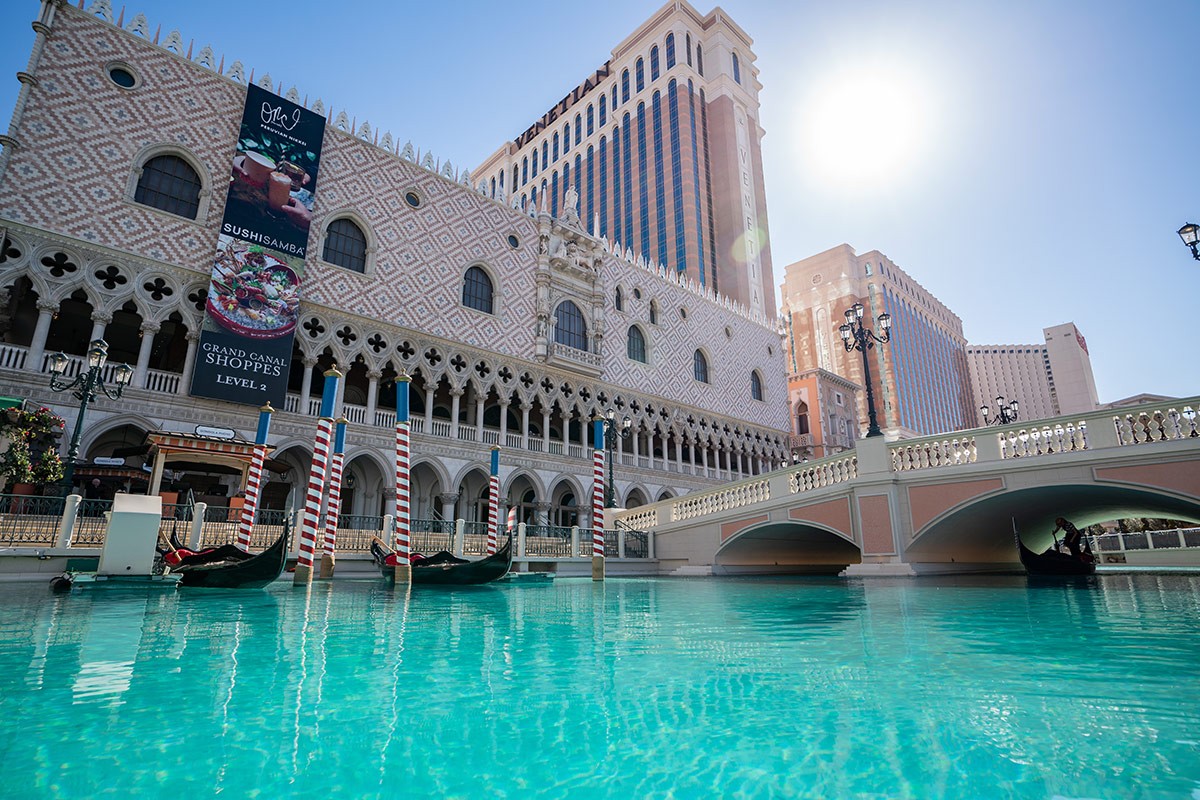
<point x="1113" y="548"/>
<point x="37" y="521"/>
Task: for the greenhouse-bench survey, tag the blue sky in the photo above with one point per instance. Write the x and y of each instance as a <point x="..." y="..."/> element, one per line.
<point x="1027" y="161"/>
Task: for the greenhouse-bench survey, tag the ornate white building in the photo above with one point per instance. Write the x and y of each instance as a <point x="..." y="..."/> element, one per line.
<point x="517" y="327"/>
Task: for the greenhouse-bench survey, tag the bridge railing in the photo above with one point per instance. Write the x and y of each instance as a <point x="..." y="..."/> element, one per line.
<point x="1135" y="426"/>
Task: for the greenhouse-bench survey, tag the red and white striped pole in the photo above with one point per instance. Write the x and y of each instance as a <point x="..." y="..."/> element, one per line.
<point x="254" y="478"/>
<point x="318" y="473"/>
<point x="333" y="507"/>
<point x="598" y="499"/>
<point x="403" y="508"/>
<point x="493" y="502"/>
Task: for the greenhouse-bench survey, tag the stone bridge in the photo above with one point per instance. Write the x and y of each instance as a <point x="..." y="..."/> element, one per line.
<point x="947" y="503"/>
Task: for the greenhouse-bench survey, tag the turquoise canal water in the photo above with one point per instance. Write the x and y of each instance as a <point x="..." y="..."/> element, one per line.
<point x="731" y="688"/>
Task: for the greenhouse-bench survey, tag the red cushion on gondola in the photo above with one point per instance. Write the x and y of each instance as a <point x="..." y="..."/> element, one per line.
<point x="390" y="560"/>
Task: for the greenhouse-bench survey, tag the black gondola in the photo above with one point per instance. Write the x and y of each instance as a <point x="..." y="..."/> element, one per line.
<point x="230" y="567"/>
<point x="1052" y="562"/>
<point x="444" y="568"/>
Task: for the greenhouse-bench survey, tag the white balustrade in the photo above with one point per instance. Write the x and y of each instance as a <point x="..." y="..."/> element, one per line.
<point x="467" y="433"/>
<point x="386" y="418"/>
<point x="162" y="382"/>
<point x="827" y="471"/>
<point x="735" y="496"/>
<point x="440" y="427"/>
<point x="491" y="436"/>
<point x="642" y="520"/>
<point x="13" y="356"/>
<point x="291" y="402"/>
<point x="933" y="451"/>
<point x="513" y="440"/>
<point x="354" y="413"/>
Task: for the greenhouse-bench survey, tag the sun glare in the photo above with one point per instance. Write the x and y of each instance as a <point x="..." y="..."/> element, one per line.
<point x="867" y="126"/>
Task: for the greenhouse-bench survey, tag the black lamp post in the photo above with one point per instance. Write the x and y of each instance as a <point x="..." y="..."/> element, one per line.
<point x="857" y="337"/>
<point x="613" y="429"/>
<point x="1005" y="412"/>
<point x="85" y="386"/>
<point x="1190" y="233"/>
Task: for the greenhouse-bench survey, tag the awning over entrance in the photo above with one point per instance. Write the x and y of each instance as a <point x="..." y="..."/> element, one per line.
<point x="192" y="451"/>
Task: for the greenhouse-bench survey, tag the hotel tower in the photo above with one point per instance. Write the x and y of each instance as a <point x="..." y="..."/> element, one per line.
<point x="661" y="147"/>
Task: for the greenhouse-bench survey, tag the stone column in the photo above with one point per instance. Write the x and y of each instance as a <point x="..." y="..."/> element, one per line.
<point x="448" y="499"/>
<point x="373" y="377"/>
<point x="37" y="347"/>
<point x="189" y="362"/>
<point x="479" y="417"/>
<point x="456" y="394"/>
<point x="541" y="513"/>
<point x="389" y="504"/>
<point x="525" y="409"/>
<point x="546" y="430"/>
<point x="429" y="409"/>
<point x="678" y="452"/>
<point x="143" y="362"/>
<point x="635" y="445"/>
<point x="566" y="431"/>
<point x="505" y="402"/>
<point x="306" y="384"/>
<point x="100" y="320"/>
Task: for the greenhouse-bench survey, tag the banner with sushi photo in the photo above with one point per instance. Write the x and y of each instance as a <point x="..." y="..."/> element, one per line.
<point x="253" y="303"/>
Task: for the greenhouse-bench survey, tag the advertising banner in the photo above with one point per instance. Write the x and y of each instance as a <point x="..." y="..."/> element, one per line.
<point x="254" y="294"/>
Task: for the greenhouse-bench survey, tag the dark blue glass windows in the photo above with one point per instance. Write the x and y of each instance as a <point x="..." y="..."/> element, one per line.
<point x="570" y="328"/>
<point x="477" y="290"/>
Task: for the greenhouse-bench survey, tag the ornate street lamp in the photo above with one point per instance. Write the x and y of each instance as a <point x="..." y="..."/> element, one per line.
<point x="857" y="337"/>
<point x="613" y="429"/>
<point x="84" y="387"/>
<point x="1005" y="412"/>
<point x="1190" y="233"/>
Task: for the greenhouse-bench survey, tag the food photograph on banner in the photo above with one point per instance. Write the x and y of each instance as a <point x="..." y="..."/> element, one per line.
<point x="253" y="301"/>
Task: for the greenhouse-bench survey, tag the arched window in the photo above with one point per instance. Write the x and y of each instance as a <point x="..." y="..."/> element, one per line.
<point x="477" y="290"/>
<point x="566" y="138"/>
<point x="603" y="110"/>
<point x="640" y="74"/>
<point x="619" y="299"/>
<point x="545" y="154"/>
<point x="699" y="59"/>
<point x="570" y="328"/>
<point x="802" y="418"/>
<point x="654" y="63"/>
<point x="737" y="70"/>
<point x="591" y="120"/>
<point x="345" y="245"/>
<point x="624" y="86"/>
<point x="670" y="50"/>
<point x="700" y="367"/>
<point x="525" y="169"/>
<point x="534" y="171"/>
<point x="687" y="45"/>
<point x="494" y="185"/>
<point x="169" y="184"/>
<point x="635" y="346"/>
<point x="653" y="312"/>
<point x="555" y="151"/>
<point x="756" y="390"/>
<point x="514" y="180"/>
<point x="578" y="128"/>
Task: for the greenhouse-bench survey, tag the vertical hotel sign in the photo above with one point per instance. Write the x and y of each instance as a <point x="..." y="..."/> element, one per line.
<point x="254" y="295"/>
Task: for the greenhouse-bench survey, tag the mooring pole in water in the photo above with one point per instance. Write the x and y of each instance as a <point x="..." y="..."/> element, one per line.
<point x="598" y="499"/>
<point x="333" y="508"/>
<point x="493" y="502"/>
<point x="254" y="478"/>
<point x="403" y="516"/>
<point x="318" y="473"/>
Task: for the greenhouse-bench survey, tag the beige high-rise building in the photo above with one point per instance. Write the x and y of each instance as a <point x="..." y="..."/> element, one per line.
<point x="920" y="379"/>
<point x="658" y="150"/>
<point x="1047" y="379"/>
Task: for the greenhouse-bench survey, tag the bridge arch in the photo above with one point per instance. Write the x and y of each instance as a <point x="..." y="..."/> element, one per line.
<point x="786" y="547"/>
<point x="981" y="529"/>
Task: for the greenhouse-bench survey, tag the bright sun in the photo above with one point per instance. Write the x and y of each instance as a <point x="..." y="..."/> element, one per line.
<point x="865" y="126"/>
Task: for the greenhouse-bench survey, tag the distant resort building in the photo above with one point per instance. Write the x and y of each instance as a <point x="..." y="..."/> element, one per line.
<point x="920" y="379"/>
<point x="662" y="145"/>
<point x="1047" y="380"/>
<point x="516" y="325"/>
